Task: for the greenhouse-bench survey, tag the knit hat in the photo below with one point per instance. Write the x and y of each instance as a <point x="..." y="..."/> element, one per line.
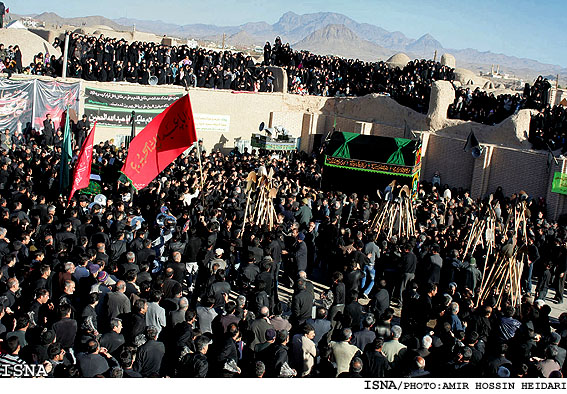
<point x="102" y="276"/>
<point x="270" y="334"/>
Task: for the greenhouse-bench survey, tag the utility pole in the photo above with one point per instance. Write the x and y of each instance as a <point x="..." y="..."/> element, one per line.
<point x="223" y="39"/>
<point x="65" y="55"/>
<point x="435" y="56"/>
<point x="556" y="89"/>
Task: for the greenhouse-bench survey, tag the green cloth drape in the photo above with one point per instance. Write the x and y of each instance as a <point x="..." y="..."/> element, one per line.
<point x="397" y="157"/>
<point x="343" y="150"/>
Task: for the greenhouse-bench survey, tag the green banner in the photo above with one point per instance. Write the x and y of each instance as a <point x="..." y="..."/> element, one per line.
<point x="397" y="157"/>
<point x="559" y="184"/>
<point x="110" y="108"/>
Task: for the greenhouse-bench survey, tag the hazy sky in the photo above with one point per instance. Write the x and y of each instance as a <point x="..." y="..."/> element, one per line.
<point x="524" y="28"/>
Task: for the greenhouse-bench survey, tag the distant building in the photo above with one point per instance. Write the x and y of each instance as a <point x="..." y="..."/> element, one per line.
<point x="192" y="43"/>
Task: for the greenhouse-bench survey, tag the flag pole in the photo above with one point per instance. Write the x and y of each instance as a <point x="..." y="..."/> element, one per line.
<point x="199" y="156"/>
<point x="133" y="190"/>
<point x="201" y="170"/>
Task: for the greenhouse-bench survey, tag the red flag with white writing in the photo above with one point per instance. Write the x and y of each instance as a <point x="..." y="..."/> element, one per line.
<point x="82" y="173"/>
<point x="167" y="136"/>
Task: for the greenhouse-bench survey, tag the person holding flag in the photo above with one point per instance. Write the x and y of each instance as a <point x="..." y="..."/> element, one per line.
<point x="82" y="173"/>
<point x="66" y="156"/>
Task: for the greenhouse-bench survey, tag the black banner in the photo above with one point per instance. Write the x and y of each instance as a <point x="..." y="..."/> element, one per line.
<point x="16" y="104"/>
<point x="53" y="98"/>
<point x="22" y="102"/>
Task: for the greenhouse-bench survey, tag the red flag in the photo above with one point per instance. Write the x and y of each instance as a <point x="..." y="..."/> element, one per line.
<point x="82" y="173"/>
<point x="167" y="136"/>
<point x="7" y="10"/>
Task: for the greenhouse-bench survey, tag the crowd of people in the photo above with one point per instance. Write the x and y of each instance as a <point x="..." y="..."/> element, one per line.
<point x="334" y="76"/>
<point x="483" y="107"/>
<point x="108" y="59"/>
<point x="11" y="59"/>
<point x="546" y="126"/>
<point x="169" y="281"/>
<point x="548" y="129"/>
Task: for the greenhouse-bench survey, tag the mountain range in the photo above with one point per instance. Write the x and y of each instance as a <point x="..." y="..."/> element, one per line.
<point x="324" y="33"/>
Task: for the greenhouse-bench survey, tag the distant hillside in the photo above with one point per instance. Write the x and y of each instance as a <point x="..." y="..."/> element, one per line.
<point x="54" y="19"/>
<point x="424" y="46"/>
<point x="158" y="27"/>
<point x="292" y="28"/>
<point x="243" y="39"/>
<point x="341" y="41"/>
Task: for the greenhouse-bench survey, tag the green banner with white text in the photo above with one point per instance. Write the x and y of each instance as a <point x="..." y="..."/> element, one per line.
<point x="111" y="108"/>
<point x="559" y="184"/>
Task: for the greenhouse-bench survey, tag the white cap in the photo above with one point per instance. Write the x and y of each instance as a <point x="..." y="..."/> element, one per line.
<point x="219" y="251"/>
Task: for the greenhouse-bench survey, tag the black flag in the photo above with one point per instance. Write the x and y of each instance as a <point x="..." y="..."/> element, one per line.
<point x="551" y="158"/>
<point x="133" y="131"/>
<point x="133" y="120"/>
<point x="407" y="132"/>
<point x="472" y="142"/>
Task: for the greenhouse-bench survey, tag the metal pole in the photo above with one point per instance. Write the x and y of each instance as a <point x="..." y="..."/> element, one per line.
<point x="133" y="120"/>
<point x="65" y="55"/>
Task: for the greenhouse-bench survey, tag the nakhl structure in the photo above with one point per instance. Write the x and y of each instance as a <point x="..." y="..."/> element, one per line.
<point x="367" y="164"/>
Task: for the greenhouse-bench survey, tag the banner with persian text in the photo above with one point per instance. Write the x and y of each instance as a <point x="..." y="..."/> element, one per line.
<point x="109" y="108"/>
<point x="114" y="109"/>
<point x="559" y="184"/>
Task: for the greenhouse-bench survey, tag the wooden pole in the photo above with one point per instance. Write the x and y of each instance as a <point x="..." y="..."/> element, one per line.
<point x="201" y="171"/>
<point x="401" y="221"/>
<point x="489" y="249"/>
<point x="246" y="211"/>
<point x="503" y="279"/>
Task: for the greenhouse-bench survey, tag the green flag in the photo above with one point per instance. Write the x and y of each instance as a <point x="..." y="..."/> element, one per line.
<point x="66" y="155"/>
